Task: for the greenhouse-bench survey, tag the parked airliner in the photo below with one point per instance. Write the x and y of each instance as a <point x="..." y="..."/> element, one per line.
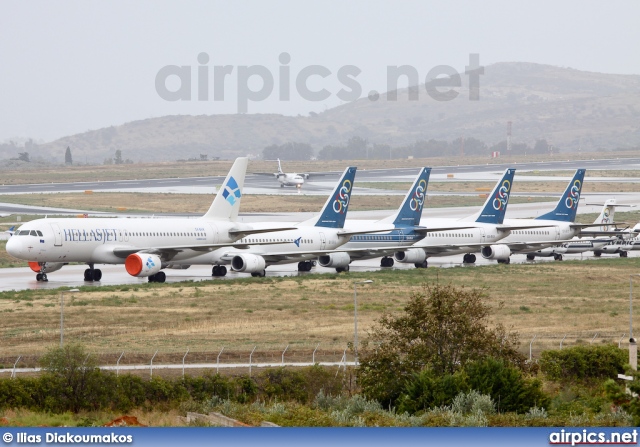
<point x="308" y="240"/>
<point x="144" y="246"/>
<point x="552" y="227"/>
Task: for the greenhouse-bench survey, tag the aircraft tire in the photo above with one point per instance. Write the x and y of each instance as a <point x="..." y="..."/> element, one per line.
<point x="624" y="254"/>
<point x="597" y="253"/>
<point x="44" y="277"/>
<point x="97" y="274"/>
<point x="160" y="277"/>
<point x="421" y="265"/>
<point x="152" y="278"/>
<point x="223" y="270"/>
<point x="87" y="275"/>
<point x="530" y="257"/>
<point x="557" y="257"/>
<point x="39" y="277"/>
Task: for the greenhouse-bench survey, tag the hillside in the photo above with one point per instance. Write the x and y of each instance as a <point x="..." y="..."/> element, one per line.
<point x="572" y="109"/>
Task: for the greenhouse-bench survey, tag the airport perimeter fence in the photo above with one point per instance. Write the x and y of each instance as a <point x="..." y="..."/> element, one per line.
<point x="251" y="359"/>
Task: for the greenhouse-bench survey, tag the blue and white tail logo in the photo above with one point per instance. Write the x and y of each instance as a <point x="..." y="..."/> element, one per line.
<point x="496" y="205"/>
<point x="231" y="191"/>
<point x="567" y="206"/>
<point x="410" y="211"/>
<point x="335" y="208"/>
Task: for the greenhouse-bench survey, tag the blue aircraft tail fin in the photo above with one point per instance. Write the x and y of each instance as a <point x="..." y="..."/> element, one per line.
<point x="495" y="207"/>
<point x="335" y="208"/>
<point x="567" y="207"/>
<point x="410" y="211"/>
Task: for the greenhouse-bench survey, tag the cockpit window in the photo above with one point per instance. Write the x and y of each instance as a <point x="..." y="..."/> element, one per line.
<point x="33" y="233"/>
<point x="39" y="233"/>
<point x="24" y="233"/>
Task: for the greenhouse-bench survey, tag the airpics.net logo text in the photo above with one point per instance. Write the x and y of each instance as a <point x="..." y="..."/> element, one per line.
<point x="257" y="83"/>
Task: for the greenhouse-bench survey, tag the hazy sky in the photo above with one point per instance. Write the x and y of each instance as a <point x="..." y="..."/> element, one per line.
<point x="70" y="66"/>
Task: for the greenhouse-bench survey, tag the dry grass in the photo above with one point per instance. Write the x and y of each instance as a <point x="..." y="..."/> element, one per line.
<point x="547" y="299"/>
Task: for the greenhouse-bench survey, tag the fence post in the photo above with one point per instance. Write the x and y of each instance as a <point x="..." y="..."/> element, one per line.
<point x="218" y="360"/>
<point x="620" y="341"/>
<point x="13" y="373"/>
<point x="250" y="359"/>
<point x="594" y="337"/>
<point x="531" y="346"/>
<point x="285" y="350"/>
<point x="342" y="360"/>
<point x="151" y="365"/>
<point x="118" y="364"/>
<point x="565" y="336"/>
<point x="313" y="356"/>
<point x="185" y="356"/>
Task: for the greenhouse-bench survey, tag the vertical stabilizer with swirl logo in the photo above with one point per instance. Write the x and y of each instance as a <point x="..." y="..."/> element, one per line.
<point x="335" y="208"/>
<point x="567" y="207"/>
<point x="496" y="205"/>
<point x="410" y="211"/>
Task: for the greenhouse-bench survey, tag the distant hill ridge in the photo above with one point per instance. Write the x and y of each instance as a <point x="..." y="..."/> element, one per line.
<point x="572" y="109"/>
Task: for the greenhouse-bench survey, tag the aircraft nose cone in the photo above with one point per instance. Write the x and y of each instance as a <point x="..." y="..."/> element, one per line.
<point x="14" y="246"/>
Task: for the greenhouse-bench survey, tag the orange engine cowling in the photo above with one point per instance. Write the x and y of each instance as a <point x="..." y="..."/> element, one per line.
<point x="49" y="266"/>
<point x="142" y="264"/>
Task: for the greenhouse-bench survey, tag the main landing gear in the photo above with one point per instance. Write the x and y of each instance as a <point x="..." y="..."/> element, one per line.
<point x="469" y="258"/>
<point x="305" y="266"/>
<point x="259" y="274"/>
<point x="41" y="277"/>
<point x="342" y="269"/>
<point x="92" y="274"/>
<point x="218" y="270"/>
<point x="421" y="265"/>
<point x="504" y="261"/>
<point x="531" y="257"/>
<point x="158" y="277"/>
<point x="557" y="256"/>
<point x="386" y="262"/>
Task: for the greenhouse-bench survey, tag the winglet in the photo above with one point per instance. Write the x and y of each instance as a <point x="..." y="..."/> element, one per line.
<point x="410" y="211"/>
<point x="567" y="207"/>
<point x="495" y="206"/>
<point x="227" y="202"/>
<point x="335" y="208"/>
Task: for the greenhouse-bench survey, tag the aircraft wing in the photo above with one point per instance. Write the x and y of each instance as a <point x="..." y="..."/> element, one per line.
<point x="169" y="251"/>
<point x="580" y="226"/>
<point x="242" y="232"/>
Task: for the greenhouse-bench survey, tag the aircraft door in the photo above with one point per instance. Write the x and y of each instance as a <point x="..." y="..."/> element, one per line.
<point x="323" y="241"/>
<point x="57" y="235"/>
<point x="483" y="235"/>
<point x="400" y="236"/>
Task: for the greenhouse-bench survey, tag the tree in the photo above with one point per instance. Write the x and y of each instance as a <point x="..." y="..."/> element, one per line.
<point x="288" y="151"/>
<point x="442" y="328"/>
<point x="67" y="157"/>
<point x="77" y="382"/>
<point x="118" y="158"/>
<point x="24" y="156"/>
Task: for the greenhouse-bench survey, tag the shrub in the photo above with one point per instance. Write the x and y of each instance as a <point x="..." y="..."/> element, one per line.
<point x="583" y="363"/>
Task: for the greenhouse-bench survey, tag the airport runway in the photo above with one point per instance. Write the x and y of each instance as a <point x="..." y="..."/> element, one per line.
<point x="264" y="184"/>
<point x="72" y="275"/>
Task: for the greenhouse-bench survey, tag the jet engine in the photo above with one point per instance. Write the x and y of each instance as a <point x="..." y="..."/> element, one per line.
<point x="497" y="252"/>
<point x="248" y="263"/>
<point x="142" y="264"/>
<point x="411" y="256"/>
<point x="336" y="260"/>
<point x="48" y="266"/>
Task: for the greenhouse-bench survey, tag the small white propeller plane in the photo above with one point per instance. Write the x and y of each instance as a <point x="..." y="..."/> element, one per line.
<point x="291" y="179"/>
